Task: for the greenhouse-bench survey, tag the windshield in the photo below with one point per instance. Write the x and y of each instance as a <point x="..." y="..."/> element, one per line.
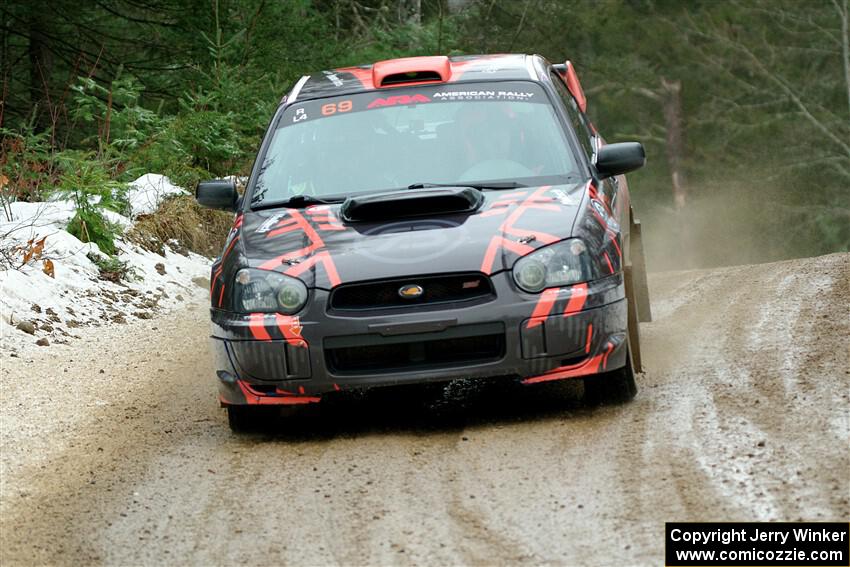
<point x="474" y="133"/>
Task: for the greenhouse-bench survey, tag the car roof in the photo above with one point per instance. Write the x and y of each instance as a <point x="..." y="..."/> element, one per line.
<point x="437" y="69"/>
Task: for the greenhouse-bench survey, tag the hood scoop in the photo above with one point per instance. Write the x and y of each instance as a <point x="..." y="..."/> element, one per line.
<point x="411" y="203"/>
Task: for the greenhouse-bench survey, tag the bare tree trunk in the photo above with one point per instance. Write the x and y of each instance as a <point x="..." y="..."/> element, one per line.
<point x="412" y="11"/>
<point x="672" y="108"/>
<point x="844" y="15"/>
<point x="40" y="60"/>
<point x="669" y="96"/>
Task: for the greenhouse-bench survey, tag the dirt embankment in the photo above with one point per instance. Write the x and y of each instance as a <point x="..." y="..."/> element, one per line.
<point x="114" y="450"/>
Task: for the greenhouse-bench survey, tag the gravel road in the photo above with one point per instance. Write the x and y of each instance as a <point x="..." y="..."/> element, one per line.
<point x="114" y="450"/>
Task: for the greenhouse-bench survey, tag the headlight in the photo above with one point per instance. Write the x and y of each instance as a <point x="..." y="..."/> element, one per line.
<point x="556" y="265"/>
<point x="264" y="291"/>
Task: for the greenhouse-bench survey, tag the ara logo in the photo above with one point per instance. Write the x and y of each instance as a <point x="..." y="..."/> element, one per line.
<point x="398" y="99"/>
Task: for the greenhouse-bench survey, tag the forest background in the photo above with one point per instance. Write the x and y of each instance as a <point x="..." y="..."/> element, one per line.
<point x="743" y="106"/>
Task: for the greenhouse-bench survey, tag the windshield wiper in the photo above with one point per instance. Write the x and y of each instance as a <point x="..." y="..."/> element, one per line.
<point x="296" y="202"/>
<point x="495" y="185"/>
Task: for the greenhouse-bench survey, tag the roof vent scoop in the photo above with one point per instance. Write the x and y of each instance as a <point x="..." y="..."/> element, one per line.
<point x="411" y="71"/>
<point x="411" y="203"/>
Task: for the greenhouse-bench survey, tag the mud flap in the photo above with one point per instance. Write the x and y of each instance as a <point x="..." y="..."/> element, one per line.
<point x="638" y="260"/>
<point x="634" y="327"/>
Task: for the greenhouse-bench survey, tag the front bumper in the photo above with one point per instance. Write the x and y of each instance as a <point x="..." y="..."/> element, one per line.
<point x="562" y="333"/>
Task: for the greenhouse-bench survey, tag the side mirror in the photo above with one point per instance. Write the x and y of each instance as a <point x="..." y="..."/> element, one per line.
<point x="616" y="159"/>
<point x="217" y="194"/>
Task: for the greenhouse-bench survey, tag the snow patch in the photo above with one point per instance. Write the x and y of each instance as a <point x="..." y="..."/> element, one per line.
<point x="60" y="307"/>
<point x="147" y="192"/>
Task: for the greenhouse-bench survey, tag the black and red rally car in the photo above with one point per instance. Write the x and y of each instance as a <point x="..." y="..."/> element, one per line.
<point x="427" y="219"/>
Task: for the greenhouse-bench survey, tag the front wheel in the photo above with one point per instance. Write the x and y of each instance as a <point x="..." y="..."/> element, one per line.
<point x="615" y="387"/>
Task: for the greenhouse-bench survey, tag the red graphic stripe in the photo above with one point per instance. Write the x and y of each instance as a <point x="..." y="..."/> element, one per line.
<point x="599" y="218"/>
<point x="221" y="295"/>
<point x="282" y="229"/>
<point x="217" y="273"/>
<point x="589" y="338"/>
<point x="592" y="365"/>
<point x="325" y="219"/>
<point x="296" y="221"/>
<point x="527" y="203"/>
<point x="536" y="201"/>
<point x="498" y="242"/>
<point x="543" y="308"/>
<point x="605" y="356"/>
<point x="253" y="397"/>
<point x="229" y="248"/>
<point x="577" y="300"/>
<point x="290" y="328"/>
<point x="325" y="258"/>
<point x="612" y="235"/>
<point x="257" y="326"/>
<point x="601" y="198"/>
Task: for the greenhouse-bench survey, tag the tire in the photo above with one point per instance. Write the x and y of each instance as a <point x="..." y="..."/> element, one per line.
<point x="615" y="387"/>
<point x="248" y="419"/>
<point x="618" y="386"/>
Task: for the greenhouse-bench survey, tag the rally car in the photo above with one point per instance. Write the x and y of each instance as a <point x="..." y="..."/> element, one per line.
<point x="427" y="219"/>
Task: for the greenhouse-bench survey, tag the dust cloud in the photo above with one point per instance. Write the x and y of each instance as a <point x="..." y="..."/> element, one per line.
<point x="728" y="224"/>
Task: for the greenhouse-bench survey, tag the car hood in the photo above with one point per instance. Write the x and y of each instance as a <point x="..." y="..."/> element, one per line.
<point x="315" y="245"/>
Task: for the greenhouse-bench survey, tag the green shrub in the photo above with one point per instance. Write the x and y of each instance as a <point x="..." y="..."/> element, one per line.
<point x="164" y="153"/>
<point x="122" y="123"/>
<point x="87" y="182"/>
<point x="26" y="163"/>
<point x="210" y="138"/>
<point x="89" y="225"/>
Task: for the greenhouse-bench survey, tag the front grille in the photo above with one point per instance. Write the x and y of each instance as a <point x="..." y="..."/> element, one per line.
<point x="454" y="288"/>
<point x="400" y="356"/>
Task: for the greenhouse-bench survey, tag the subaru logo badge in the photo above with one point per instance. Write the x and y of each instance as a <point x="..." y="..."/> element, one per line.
<point x="410" y="291"/>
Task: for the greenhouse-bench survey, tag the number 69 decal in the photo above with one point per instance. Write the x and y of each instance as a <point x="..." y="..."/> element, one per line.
<point x="333" y="108"/>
